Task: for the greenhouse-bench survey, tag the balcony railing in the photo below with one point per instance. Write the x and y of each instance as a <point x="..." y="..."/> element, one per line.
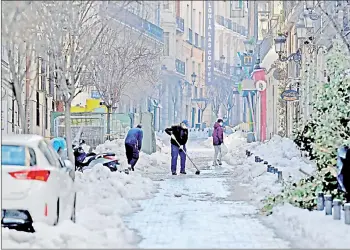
<point x="180" y="67"/>
<point x="190" y="36"/>
<point x="196" y="42"/>
<point x="127" y="17"/>
<point x="220" y="20"/>
<point x="180" y="24"/>
<point x="229" y="24"/>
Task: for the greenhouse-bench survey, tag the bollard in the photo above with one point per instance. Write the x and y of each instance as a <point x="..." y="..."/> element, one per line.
<point x="260" y="160"/>
<point x="347" y="213"/>
<point x="265" y="162"/>
<point x="275" y="171"/>
<point x="279" y="176"/>
<point x="256" y="158"/>
<point x="272" y="169"/>
<point x="337" y="209"/>
<point x="267" y="169"/>
<point x="328" y="204"/>
<point x="320" y="201"/>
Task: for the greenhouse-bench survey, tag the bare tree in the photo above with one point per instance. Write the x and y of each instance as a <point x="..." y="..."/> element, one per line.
<point x="19" y="35"/>
<point x="123" y="63"/>
<point x="217" y="94"/>
<point x="71" y="30"/>
<point x="342" y="28"/>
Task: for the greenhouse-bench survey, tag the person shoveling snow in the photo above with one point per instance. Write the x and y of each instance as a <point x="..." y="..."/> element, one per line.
<point x="179" y="137"/>
<point x="133" y="144"/>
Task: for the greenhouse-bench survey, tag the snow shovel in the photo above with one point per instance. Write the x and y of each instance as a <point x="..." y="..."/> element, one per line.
<point x="197" y="172"/>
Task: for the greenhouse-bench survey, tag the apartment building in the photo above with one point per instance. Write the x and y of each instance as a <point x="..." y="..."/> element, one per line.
<point x="185" y="71"/>
<point x="231" y="31"/>
<point x="39" y="95"/>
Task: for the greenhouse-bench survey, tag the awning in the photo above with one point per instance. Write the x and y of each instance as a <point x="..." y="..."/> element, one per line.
<point x="269" y="59"/>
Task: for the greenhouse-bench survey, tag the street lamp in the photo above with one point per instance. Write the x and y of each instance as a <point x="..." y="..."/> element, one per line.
<point x="249" y="46"/>
<point x="279" y="48"/>
<point x="301" y="29"/>
<point x="193" y="76"/>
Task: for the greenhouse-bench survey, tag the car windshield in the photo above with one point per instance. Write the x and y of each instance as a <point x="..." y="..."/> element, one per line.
<point x="13" y="155"/>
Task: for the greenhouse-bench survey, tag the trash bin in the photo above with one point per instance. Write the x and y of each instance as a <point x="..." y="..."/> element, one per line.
<point x="250" y="137"/>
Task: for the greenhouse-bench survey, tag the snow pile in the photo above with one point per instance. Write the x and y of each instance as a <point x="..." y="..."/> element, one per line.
<point x="103" y="198"/>
<point x="310" y="229"/>
<point x="156" y="162"/>
<point x="280" y="152"/>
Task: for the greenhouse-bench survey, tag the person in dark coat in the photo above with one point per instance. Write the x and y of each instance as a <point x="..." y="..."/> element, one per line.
<point x="218" y="139"/>
<point x="179" y="135"/>
<point x="133" y="144"/>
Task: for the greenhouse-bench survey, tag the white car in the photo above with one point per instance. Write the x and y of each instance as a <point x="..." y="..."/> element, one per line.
<point x="37" y="185"/>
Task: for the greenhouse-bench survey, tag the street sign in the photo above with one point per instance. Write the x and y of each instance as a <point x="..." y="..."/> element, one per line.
<point x="260" y="85"/>
<point x="290" y="95"/>
<point x="248" y="84"/>
<point x="95" y="94"/>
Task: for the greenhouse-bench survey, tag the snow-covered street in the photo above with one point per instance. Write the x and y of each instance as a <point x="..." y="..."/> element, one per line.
<point x="217" y="209"/>
<point x="201" y="212"/>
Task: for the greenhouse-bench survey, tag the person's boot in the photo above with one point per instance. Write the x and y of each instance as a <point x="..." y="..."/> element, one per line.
<point x="174" y="173"/>
<point x="132" y="168"/>
<point x="126" y="171"/>
<point x="129" y="168"/>
<point x="183" y="172"/>
<point x="220" y="163"/>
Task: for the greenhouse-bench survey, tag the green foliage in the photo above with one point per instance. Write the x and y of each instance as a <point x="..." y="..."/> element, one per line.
<point x="328" y="129"/>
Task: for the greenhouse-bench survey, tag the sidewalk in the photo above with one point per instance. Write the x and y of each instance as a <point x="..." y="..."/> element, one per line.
<point x="200" y="212"/>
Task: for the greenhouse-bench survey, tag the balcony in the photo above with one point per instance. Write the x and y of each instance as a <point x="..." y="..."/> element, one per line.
<point x="180" y="67"/>
<point x="196" y="40"/>
<point x="190" y="36"/>
<point x="126" y="17"/>
<point x="220" y="20"/>
<point x="229" y="24"/>
<point x="180" y="25"/>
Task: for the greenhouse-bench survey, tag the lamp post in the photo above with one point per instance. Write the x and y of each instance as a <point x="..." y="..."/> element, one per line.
<point x="222" y="61"/>
<point x="279" y="48"/>
<point x="249" y="46"/>
<point x="193" y="77"/>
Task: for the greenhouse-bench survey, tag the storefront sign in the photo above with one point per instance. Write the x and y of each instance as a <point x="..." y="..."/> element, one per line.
<point x="290" y="95"/>
<point x="260" y="85"/>
<point x="210" y="44"/>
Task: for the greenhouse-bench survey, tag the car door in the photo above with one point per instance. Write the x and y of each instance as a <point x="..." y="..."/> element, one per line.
<point x="67" y="184"/>
<point x="56" y="171"/>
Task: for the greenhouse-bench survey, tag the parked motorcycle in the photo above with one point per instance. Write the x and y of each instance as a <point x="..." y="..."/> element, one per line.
<point x="85" y="160"/>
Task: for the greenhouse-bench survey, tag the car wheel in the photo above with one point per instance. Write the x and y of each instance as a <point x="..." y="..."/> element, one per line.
<point x="57" y="212"/>
<point x="73" y="217"/>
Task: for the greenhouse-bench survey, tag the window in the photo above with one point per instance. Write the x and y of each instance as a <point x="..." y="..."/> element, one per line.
<point x="32" y="155"/>
<point x="166" y="44"/>
<point x="200" y="23"/>
<point x="166" y="5"/>
<point x="47" y="153"/>
<point x="188" y="15"/>
<point x="37" y="109"/>
<point x="193" y="67"/>
<point x="13" y="155"/>
<point x="193" y="19"/>
<point x="46" y="113"/>
<point x="201" y="93"/>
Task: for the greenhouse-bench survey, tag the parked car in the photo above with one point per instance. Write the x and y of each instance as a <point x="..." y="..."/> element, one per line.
<point x="38" y="186"/>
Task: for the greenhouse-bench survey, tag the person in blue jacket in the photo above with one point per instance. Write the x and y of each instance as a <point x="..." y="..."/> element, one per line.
<point x="133" y="144"/>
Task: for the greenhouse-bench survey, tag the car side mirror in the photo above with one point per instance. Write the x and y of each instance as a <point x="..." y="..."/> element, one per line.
<point x="70" y="168"/>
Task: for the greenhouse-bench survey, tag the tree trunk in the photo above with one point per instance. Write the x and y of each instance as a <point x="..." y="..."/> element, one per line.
<point x="68" y="129"/>
<point x="108" y="122"/>
<point x="22" y="115"/>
